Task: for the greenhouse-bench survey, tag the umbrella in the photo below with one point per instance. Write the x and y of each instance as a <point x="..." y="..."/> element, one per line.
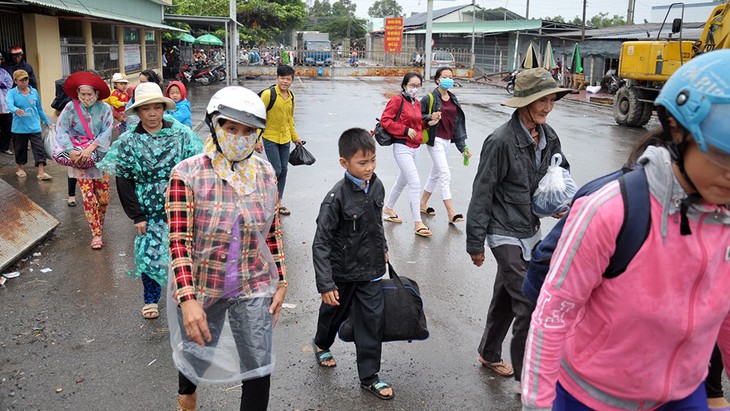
<point x="209" y="39"/>
<point x="186" y="38"/>
<point x="549" y="60"/>
<point x="576" y="65"/>
<point x="530" y="60"/>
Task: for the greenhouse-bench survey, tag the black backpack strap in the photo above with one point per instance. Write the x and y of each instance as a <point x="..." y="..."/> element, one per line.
<point x="400" y="110"/>
<point x="637" y="221"/>
<point x="272" y="97"/>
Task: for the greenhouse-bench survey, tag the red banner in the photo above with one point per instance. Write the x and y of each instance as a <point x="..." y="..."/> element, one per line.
<point x="393" y="35"/>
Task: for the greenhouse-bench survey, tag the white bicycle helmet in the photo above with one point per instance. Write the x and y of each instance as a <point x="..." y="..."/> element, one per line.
<point x="237" y="104"/>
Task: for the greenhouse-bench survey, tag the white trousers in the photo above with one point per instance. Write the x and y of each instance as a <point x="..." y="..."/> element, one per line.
<point x="405" y="157"/>
<point x="440" y="172"/>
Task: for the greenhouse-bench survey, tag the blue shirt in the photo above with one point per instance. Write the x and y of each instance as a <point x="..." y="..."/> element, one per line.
<point x="182" y="113"/>
<point x="31" y="105"/>
<point x="365" y="185"/>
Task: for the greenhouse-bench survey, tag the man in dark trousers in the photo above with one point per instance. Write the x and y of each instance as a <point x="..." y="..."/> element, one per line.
<point x="514" y="159"/>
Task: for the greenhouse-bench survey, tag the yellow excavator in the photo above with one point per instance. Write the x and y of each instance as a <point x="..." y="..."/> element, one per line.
<point x="644" y="66"/>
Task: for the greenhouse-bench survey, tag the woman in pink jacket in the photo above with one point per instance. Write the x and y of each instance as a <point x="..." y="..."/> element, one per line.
<point x="643" y="340"/>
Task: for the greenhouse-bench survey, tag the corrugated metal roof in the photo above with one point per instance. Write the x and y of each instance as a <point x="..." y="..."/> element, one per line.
<point x="84" y="10"/>
<point x="419" y="19"/>
<point x="690" y="31"/>
<point x="482" y="27"/>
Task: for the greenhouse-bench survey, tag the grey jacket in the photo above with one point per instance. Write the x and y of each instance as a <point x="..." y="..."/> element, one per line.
<point x="506" y="179"/>
<point x="459" y="137"/>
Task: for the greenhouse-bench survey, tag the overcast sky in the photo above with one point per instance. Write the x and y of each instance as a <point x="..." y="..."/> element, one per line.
<point x="538" y="8"/>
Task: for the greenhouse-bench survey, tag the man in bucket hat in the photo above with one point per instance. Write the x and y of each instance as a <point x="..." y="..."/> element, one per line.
<point x="514" y="159"/>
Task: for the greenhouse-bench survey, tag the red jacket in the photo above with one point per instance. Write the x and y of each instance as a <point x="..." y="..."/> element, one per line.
<point x="410" y="118"/>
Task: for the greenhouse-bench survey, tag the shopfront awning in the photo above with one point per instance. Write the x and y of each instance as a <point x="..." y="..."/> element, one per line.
<point x="78" y="8"/>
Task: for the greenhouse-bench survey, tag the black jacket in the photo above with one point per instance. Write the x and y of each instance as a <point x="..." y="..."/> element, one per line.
<point x="507" y="177"/>
<point x="459" y="137"/>
<point x="349" y="244"/>
<point x="10" y="66"/>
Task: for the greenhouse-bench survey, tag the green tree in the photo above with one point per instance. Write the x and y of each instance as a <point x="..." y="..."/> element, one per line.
<point x="263" y="20"/>
<point x="344" y="27"/>
<point x="320" y="8"/>
<point x="602" y="20"/>
<point x="558" y="19"/>
<point x="385" y="8"/>
<point x="344" y="8"/>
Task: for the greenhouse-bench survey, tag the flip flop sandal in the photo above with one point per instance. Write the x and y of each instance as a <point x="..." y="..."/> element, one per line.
<point x="71" y="203"/>
<point x="97" y="244"/>
<point x="424" y="232"/>
<point x="323" y="356"/>
<point x="457" y="218"/>
<point x="501" y="367"/>
<point x="150" y="311"/>
<point x="429" y="211"/>
<point x="377" y="388"/>
<point x="392" y="218"/>
<point x="284" y="211"/>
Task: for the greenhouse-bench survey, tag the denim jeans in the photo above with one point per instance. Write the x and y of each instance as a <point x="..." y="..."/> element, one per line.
<point x="278" y="156"/>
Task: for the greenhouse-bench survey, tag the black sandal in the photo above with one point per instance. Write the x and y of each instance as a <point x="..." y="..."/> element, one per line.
<point x="377" y="388"/>
<point x="429" y="211"/>
<point x="323" y="356"/>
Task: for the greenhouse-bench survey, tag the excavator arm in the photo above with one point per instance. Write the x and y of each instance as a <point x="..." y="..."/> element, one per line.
<point x="716" y="34"/>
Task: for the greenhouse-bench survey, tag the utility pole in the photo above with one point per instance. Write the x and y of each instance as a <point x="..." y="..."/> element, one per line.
<point x="473" y="32"/>
<point x="232" y="52"/>
<point x="527" y="10"/>
<point x="429" y="39"/>
<point x="630" y="13"/>
<point x="583" y="30"/>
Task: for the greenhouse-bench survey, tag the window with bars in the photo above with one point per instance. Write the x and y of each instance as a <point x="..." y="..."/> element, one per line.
<point x="106" y="49"/>
<point x="73" y="46"/>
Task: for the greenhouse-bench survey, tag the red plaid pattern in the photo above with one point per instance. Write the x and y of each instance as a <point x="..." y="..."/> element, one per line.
<point x="201" y="209"/>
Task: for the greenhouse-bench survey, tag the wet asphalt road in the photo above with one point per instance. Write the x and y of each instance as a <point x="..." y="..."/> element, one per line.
<point x="78" y="329"/>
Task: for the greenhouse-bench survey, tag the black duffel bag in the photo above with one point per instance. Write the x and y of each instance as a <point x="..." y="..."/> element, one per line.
<point x="403" y="315"/>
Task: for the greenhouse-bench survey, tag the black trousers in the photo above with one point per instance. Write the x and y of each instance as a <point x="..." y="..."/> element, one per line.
<point x="508" y="303"/>
<point x="713" y="383"/>
<point x="254" y="395"/>
<point x="20" y="145"/>
<point x="6" y="136"/>
<point x="72" y="187"/>
<point x="363" y="303"/>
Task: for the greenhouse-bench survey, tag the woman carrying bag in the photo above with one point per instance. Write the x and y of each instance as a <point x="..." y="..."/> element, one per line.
<point x="83" y="134"/>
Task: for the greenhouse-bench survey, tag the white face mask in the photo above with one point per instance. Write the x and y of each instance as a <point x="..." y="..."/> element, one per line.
<point x="412" y="92"/>
<point x="234" y="147"/>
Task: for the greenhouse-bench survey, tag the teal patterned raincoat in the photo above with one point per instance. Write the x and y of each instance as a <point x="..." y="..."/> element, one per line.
<point x="147" y="160"/>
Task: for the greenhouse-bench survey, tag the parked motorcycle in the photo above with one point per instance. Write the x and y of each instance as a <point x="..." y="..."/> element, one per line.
<point x="219" y="71"/>
<point x="511" y="83"/>
<point x="200" y="75"/>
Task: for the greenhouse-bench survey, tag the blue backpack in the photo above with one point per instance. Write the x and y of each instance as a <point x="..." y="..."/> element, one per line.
<point x="634" y="229"/>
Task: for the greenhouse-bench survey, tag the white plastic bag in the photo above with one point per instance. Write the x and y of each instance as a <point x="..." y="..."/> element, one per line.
<point x="555" y="191"/>
<point x="49" y="140"/>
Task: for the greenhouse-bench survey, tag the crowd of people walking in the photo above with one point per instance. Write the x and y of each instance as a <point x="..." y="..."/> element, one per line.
<point x="208" y="211"/>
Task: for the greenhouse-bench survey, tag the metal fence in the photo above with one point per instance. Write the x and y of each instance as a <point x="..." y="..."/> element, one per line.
<point x="458" y="58"/>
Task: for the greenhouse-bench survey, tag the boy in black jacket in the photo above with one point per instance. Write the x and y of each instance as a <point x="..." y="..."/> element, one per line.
<point x="349" y="253"/>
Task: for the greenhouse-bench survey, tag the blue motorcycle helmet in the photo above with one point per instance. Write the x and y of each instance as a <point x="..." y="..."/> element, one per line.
<point x="697" y="95"/>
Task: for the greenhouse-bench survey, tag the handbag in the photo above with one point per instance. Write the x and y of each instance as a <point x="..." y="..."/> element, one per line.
<point x="403" y="315"/>
<point x="383" y="137"/>
<point x="79" y="143"/>
<point x="301" y="156"/>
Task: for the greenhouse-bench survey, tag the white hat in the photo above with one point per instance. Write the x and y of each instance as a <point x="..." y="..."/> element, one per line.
<point x="148" y="93"/>
<point x="119" y="78"/>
